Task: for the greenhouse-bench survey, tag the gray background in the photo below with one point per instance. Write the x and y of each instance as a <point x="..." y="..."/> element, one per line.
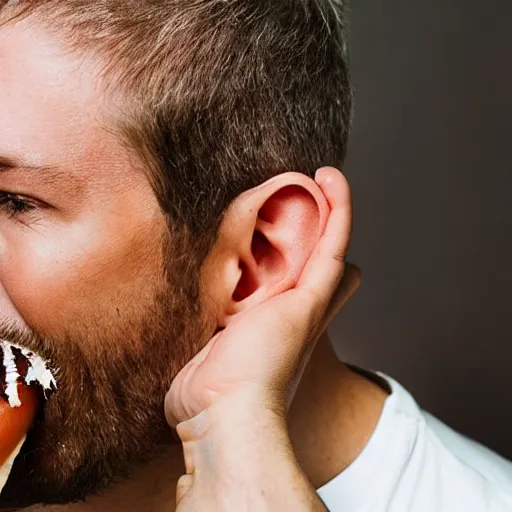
<point x="429" y="164"/>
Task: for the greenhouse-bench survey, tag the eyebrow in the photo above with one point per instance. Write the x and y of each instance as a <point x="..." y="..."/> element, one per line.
<point x="47" y="173"/>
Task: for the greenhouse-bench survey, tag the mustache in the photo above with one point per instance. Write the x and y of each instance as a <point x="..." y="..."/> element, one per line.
<point x="16" y="333"/>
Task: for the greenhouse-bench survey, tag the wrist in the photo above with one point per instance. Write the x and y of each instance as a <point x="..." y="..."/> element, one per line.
<point x="240" y="412"/>
<point x="234" y="427"/>
<point x="242" y="452"/>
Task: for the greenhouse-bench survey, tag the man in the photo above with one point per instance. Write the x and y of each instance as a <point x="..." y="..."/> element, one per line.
<point x="148" y="202"/>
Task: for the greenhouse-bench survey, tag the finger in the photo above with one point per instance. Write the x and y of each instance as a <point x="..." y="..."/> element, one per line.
<point x="172" y="402"/>
<point x="345" y="290"/>
<point x="326" y="265"/>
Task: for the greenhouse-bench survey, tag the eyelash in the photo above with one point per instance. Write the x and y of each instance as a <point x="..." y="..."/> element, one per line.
<point x="15" y="205"/>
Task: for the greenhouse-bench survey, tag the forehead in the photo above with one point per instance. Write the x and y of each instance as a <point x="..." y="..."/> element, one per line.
<point x="48" y="98"/>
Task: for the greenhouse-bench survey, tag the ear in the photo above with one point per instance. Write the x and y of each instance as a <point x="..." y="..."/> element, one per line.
<point x="265" y="240"/>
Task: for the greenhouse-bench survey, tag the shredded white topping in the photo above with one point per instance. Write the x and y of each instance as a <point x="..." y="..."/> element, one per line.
<point x="37" y="372"/>
<point x="11" y="377"/>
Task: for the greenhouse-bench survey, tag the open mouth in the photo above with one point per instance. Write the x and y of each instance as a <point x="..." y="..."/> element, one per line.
<point x="25" y="382"/>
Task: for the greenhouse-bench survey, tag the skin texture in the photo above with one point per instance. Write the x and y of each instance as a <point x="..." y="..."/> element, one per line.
<point x="82" y="281"/>
<point x="81" y="276"/>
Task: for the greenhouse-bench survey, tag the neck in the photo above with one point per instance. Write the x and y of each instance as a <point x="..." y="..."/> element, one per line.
<point x="330" y="421"/>
<point x="333" y="415"/>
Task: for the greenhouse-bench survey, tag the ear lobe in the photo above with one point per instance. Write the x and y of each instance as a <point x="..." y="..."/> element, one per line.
<point x="285" y="230"/>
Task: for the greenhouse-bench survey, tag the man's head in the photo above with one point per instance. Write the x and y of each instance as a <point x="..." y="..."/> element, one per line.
<point x="145" y="200"/>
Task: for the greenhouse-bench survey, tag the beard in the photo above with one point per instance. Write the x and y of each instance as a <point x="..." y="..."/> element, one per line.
<point x="113" y="371"/>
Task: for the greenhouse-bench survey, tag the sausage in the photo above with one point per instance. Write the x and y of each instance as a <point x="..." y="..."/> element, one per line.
<point x="16" y="421"/>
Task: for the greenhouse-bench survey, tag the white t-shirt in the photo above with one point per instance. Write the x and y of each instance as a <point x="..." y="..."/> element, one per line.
<point x="415" y="463"/>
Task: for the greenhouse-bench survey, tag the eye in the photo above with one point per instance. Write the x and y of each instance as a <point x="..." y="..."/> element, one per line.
<point x="14" y="205"/>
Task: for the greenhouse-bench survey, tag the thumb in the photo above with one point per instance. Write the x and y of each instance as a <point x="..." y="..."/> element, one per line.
<point x="176" y="397"/>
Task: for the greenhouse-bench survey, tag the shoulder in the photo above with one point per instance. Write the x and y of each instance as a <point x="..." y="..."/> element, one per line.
<point x="445" y="469"/>
<point x="415" y="463"/>
<point x="490" y="466"/>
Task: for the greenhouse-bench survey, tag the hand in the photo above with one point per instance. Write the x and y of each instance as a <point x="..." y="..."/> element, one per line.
<point x="270" y="344"/>
<point x="245" y="377"/>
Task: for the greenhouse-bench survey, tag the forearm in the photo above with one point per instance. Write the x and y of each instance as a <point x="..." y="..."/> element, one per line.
<point x="237" y="460"/>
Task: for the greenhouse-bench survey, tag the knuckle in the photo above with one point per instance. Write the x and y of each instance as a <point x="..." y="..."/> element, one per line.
<point x="341" y="257"/>
<point x="182" y="487"/>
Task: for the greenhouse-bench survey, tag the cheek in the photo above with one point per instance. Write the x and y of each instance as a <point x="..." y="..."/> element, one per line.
<point x="56" y="281"/>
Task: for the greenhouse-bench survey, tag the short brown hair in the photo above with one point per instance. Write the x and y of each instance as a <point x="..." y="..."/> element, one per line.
<point x="218" y="95"/>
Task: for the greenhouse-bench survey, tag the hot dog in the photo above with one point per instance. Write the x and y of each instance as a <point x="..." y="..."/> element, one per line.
<point x="21" y="374"/>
